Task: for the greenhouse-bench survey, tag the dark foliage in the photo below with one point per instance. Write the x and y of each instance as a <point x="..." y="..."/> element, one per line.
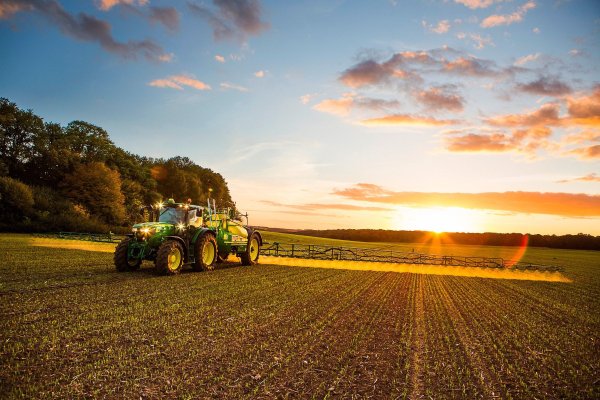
<point x="580" y="241"/>
<point x="79" y="180"/>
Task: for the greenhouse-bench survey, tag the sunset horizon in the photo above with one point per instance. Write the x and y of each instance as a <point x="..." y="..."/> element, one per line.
<point x="443" y="116"/>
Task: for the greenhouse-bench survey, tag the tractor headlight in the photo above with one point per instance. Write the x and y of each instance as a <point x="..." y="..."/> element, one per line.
<point x="145" y="231"/>
<point x="180" y="226"/>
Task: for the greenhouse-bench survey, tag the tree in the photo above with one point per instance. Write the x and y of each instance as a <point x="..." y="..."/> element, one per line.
<point x="18" y="128"/>
<point x="88" y="175"/>
<point x="97" y="188"/>
<point x="16" y="200"/>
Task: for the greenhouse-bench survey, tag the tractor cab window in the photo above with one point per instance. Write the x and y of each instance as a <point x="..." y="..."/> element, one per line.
<point x="194" y="219"/>
<point x="171" y="215"/>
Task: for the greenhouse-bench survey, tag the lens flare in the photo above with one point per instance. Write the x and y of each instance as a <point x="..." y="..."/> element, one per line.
<point x="519" y="253"/>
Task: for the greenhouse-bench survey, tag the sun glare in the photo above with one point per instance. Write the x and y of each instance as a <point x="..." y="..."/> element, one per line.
<point x="436" y="219"/>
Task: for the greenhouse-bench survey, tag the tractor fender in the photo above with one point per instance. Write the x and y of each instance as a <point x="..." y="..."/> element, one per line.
<point x="251" y="231"/>
<point x="201" y="232"/>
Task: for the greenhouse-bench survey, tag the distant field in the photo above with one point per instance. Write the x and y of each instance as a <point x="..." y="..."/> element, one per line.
<point x="71" y="327"/>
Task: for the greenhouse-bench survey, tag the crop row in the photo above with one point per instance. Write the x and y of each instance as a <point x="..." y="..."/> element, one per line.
<point x="70" y="327"/>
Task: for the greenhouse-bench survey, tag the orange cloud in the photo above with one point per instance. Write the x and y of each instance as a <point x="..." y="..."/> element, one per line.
<point x="585" y="110"/>
<point x="545" y="115"/>
<point x="436" y="99"/>
<point x="526" y="141"/>
<point x="178" y="81"/>
<point x="106" y="5"/>
<point x="350" y="101"/>
<point x="587" y="153"/>
<point x="367" y="73"/>
<point x="11" y="7"/>
<point x="593" y="177"/>
<point x="562" y="204"/>
<point x="496" y="142"/>
<point x="408" y="120"/>
<point x="546" y="86"/>
<point x="582" y="137"/>
<point x="324" y="206"/>
<point x="336" y="106"/>
<point x="470" y="67"/>
<point x="517" y="16"/>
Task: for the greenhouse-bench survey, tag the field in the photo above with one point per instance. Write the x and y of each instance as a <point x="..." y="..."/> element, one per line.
<point x="71" y="327"/>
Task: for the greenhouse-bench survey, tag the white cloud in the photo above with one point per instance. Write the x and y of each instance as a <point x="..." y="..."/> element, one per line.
<point x="473" y="4"/>
<point x="166" y="57"/>
<point x="305" y="99"/>
<point x="231" y="86"/>
<point x="479" y="42"/>
<point x="219" y="58"/>
<point x="442" y="27"/>
<point x="260" y="74"/>
<point x="179" y="81"/>
<point x="526" y="59"/>
<point x="507" y="19"/>
<point x="575" y="52"/>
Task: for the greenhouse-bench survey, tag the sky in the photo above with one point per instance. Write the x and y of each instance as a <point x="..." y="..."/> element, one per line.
<point x="442" y="115"/>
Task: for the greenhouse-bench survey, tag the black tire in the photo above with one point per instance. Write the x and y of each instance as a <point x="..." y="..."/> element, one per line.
<point x="169" y="259"/>
<point x="122" y="263"/>
<point x="205" y="252"/>
<point x="252" y="253"/>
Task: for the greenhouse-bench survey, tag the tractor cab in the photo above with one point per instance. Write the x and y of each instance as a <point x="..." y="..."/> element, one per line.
<point x="187" y="214"/>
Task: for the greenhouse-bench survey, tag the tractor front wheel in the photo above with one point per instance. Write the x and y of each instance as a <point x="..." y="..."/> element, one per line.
<point x="122" y="261"/>
<point x="250" y="256"/>
<point x="169" y="259"/>
<point x="206" y="253"/>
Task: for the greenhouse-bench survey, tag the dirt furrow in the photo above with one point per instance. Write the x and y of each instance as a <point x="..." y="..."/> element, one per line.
<point x="468" y="340"/>
<point x="418" y="339"/>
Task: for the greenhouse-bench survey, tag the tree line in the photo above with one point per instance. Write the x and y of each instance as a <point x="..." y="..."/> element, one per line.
<point x="74" y="178"/>
<point x="580" y="241"/>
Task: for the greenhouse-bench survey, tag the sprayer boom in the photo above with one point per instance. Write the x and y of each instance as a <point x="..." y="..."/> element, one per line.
<point x="389" y="255"/>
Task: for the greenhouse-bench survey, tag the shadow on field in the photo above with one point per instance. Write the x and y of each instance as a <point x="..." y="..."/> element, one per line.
<point x="147" y="268"/>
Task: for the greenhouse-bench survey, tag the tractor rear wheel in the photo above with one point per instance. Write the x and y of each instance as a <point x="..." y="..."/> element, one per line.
<point x="122" y="262"/>
<point x="169" y="259"/>
<point x="250" y="256"/>
<point x="206" y="253"/>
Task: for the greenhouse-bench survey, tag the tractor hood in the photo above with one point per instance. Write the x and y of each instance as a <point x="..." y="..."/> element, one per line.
<point x="151" y="228"/>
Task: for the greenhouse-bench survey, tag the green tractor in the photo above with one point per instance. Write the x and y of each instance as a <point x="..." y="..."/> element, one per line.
<point x="181" y="234"/>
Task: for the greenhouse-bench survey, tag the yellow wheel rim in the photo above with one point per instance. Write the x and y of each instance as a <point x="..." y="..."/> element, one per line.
<point x="174" y="259"/>
<point x="208" y="253"/>
<point x="254" y="249"/>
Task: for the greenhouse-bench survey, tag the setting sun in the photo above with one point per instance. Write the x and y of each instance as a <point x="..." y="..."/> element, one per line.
<point x="437" y="219"/>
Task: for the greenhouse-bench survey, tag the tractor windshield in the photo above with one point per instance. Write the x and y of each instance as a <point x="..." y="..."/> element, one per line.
<point x="171" y="215"/>
<point x="174" y="216"/>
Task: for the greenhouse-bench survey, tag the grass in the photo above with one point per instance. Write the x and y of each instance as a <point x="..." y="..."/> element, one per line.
<point x="71" y="327"/>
